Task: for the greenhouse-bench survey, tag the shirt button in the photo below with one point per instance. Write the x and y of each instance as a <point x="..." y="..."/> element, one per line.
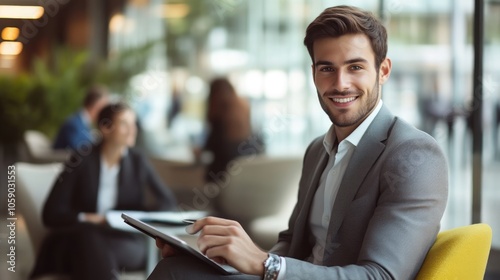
<point x="326" y="220"/>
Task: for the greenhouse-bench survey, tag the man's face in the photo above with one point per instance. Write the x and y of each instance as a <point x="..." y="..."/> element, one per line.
<point x="346" y="80"/>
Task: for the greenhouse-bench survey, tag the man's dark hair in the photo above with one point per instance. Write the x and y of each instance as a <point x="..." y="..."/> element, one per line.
<point x="94" y="94"/>
<point x="341" y="20"/>
<point x="108" y="113"/>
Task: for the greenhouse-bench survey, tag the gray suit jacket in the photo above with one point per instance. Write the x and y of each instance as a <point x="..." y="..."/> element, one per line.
<point x="387" y="212"/>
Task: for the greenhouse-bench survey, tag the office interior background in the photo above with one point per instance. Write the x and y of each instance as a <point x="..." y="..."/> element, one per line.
<point x="157" y="53"/>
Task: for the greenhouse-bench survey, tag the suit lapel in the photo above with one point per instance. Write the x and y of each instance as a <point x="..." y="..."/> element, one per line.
<point x="368" y="150"/>
<point x="302" y="222"/>
<point x="311" y="191"/>
<point x="95" y="172"/>
<point x="126" y="168"/>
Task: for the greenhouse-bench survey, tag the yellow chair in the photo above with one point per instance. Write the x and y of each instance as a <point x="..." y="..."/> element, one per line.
<point x="459" y="253"/>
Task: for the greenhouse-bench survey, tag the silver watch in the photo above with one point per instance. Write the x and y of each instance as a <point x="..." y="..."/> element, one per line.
<point x="272" y="266"/>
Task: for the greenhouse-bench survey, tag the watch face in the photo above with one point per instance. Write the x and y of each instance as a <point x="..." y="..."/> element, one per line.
<point x="272" y="267"/>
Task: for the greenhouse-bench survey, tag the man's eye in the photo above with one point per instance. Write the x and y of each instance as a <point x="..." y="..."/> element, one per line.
<point x="326" y="69"/>
<point x="356" y="67"/>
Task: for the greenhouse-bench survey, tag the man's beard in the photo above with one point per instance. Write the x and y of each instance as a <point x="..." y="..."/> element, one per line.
<point x="371" y="102"/>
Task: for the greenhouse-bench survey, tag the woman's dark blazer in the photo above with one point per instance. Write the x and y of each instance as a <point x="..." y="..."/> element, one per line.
<point x="75" y="190"/>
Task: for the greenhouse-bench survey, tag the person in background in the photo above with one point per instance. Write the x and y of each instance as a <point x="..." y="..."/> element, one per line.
<point x="373" y="187"/>
<point x="76" y="131"/>
<point x="113" y="176"/>
<point x="175" y="107"/>
<point x="229" y="127"/>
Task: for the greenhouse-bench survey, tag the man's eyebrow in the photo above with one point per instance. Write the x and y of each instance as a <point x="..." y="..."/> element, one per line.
<point x="322" y="62"/>
<point x="349" y="61"/>
<point x="356" y="60"/>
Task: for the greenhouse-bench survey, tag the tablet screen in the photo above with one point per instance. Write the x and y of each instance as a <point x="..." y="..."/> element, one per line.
<point x="177" y="243"/>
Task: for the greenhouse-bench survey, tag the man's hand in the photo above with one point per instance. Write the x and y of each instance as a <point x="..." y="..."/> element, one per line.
<point x="225" y="241"/>
<point x="166" y="250"/>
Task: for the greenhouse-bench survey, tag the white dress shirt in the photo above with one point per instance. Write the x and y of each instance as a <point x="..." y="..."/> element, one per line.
<point x="107" y="194"/>
<point x="86" y="118"/>
<point x="329" y="184"/>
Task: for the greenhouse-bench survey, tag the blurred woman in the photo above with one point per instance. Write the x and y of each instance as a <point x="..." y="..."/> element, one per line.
<point x="230" y="132"/>
<point x="112" y="176"/>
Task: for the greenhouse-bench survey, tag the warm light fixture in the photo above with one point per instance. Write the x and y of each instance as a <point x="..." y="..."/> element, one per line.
<point x="10" y="33"/>
<point x="21" y="12"/>
<point x="7" y="61"/>
<point x="11" y="48"/>
<point x="120" y="23"/>
<point x="116" y="23"/>
<point x="138" y="3"/>
<point x="175" y="10"/>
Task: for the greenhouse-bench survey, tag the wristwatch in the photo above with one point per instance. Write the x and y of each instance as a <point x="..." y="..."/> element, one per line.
<point x="272" y="266"/>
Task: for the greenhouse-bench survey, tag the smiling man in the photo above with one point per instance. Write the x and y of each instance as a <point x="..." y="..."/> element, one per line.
<point x="373" y="188"/>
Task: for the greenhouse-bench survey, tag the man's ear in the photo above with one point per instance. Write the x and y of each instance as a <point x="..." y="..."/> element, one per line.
<point x="385" y="70"/>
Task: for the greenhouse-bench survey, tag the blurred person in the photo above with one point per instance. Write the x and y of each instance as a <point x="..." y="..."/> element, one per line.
<point x="113" y="176"/>
<point x="229" y="128"/>
<point x="496" y="123"/>
<point x="175" y="104"/>
<point x="373" y="188"/>
<point x="76" y="130"/>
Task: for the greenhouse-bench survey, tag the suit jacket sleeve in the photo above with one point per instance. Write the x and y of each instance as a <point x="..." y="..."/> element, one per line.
<point x="412" y="181"/>
<point x="58" y="210"/>
<point x="75" y="137"/>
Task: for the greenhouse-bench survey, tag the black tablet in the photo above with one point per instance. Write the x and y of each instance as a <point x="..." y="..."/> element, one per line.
<point x="177" y="243"/>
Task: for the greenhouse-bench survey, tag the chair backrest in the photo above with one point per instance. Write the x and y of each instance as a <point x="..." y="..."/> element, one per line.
<point x="180" y="177"/>
<point x="37" y="142"/>
<point x="40" y="148"/>
<point x="459" y="253"/>
<point x="259" y="186"/>
<point x="34" y="182"/>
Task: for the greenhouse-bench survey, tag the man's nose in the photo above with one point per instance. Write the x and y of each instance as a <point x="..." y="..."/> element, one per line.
<point x="341" y="81"/>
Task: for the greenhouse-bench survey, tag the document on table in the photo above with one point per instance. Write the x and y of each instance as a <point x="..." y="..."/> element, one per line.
<point x="170" y="219"/>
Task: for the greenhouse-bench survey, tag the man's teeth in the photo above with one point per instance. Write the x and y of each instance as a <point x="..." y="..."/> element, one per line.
<point x="343" y="100"/>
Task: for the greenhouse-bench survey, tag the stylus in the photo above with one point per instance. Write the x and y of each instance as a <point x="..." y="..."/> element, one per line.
<point x="189" y="221"/>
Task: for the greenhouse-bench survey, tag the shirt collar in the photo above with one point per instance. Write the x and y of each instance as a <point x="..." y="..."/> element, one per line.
<point x="355" y="136"/>
<point x="124" y="154"/>
<point x="85" y="117"/>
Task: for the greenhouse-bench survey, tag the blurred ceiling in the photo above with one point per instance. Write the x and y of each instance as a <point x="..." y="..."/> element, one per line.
<point x="79" y="24"/>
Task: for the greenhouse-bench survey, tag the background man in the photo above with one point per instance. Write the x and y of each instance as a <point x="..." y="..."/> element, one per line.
<point x="76" y="131"/>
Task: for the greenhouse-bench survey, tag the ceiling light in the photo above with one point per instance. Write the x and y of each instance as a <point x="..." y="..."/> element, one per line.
<point x="21" y="12"/>
<point x="116" y="23"/>
<point x="10" y="48"/>
<point x="7" y="61"/>
<point x="120" y="23"/>
<point x="10" y="33"/>
<point x="175" y="10"/>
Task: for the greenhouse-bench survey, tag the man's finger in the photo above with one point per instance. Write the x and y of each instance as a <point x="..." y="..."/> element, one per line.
<point x="167" y="251"/>
<point x="207" y="242"/>
<point x="199" y="224"/>
<point x="159" y="243"/>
